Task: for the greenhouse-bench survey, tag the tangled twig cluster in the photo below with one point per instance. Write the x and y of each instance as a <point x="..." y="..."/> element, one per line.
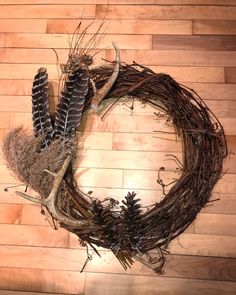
<point x="130" y="231"/>
<point x="127" y="230"/>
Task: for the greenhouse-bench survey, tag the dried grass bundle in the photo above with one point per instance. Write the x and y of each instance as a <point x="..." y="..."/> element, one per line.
<point x="22" y="157"/>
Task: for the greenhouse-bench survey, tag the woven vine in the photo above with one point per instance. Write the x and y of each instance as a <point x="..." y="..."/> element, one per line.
<point x="127" y="229"/>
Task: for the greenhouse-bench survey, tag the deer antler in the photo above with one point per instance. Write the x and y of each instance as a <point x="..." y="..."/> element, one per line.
<point x="51" y="201"/>
<point x="101" y="93"/>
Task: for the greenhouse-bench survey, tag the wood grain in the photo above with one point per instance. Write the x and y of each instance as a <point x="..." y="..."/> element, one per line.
<point x="7" y="292"/>
<point x="125" y="2"/>
<point x="30" y="235"/>
<point x="119" y="26"/>
<point x="193" y="74"/>
<point x="23" y="25"/>
<point x="212" y="27"/>
<point x="10" y="213"/>
<point x="47" y="11"/>
<point x="178" y="57"/>
<point x="215" y="224"/>
<point x="193" y="41"/>
<point x="230" y="75"/>
<point x="39" y="280"/>
<point x="166" y="12"/>
<point x="167" y="42"/>
<point x="149" y="284"/>
<point x="23" y="40"/>
<point x="208" y="91"/>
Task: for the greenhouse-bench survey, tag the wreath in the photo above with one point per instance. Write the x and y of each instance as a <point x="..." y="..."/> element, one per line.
<point x="44" y="161"/>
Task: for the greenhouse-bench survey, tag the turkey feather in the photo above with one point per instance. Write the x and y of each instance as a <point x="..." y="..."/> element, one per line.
<point x="71" y="104"/>
<point x="40" y="108"/>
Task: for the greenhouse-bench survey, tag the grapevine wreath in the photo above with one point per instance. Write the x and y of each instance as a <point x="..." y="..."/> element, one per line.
<point x="44" y="160"/>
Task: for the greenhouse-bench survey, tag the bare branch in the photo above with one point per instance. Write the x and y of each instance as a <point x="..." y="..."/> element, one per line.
<point x="51" y="202"/>
<point x="101" y="93"/>
<point x="32" y="199"/>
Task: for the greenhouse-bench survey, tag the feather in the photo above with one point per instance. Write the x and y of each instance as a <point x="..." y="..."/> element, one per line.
<point x="40" y="108"/>
<point x="71" y="104"/>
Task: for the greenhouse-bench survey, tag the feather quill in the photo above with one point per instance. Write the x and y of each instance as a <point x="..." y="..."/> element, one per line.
<point x="40" y="108"/>
<point x="71" y="104"/>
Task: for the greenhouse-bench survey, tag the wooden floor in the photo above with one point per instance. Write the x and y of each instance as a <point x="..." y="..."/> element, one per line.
<point x="195" y="42"/>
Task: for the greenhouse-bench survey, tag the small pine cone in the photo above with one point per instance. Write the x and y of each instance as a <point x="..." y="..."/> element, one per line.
<point x="132" y="219"/>
<point x="108" y="224"/>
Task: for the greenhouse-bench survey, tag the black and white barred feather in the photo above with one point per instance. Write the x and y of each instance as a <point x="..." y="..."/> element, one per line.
<point x="40" y="108"/>
<point x="71" y="104"/>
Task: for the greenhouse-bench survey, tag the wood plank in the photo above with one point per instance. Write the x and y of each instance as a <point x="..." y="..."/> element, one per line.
<point x="120" y="123"/>
<point x="23" y="25"/>
<point x="206" y="245"/>
<point x="177" y="57"/>
<point x="208" y="91"/>
<point x="99" y="177"/>
<point x="176" y="266"/>
<point x="213" y="91"/>
<point x="167" y="42"/>
<point x="10" y="213"/>
<point x="20" y="119"/>
<point x="38" y="280"/>
<point x="142" y="179"/>
<point x="226" y="184"/>
<point x="73" y="259"/>
<point x="26" y="71"/>
<point x="216" y="224"/>
<point x="61" y="41"/>
<point x="30" y="235"/>
<point x="47" y="11"/>
<point x="95" y="140"/>
<point x="230" y="75"/>
<point x="16" y="87"/>
<point x="5" y="120"/>
<point x="147" y="57"/>
<point x="146" y="142"/>
<point x="138" y="285"/>
<point x="229" y="125"/>
<point x="33" y="55"/>
<point x="7" y="292"/>
<point x="214" y="27"/>
<point x="222" y="109"/>
<point x="56" y="258"/>
<point x="86" y="1"/>
<point x="166" y="12"/>
<point x="193" y="74"/>
<point x="199" y="2"/>
<point x="124" y="26"/>
<point x="31" y="215"/>
<point x="124" y="123"/>
<point x="124" y="159"/>
<point x="6" y="175"/>
<point x="15" y="103"/>
<point x="2" y="39"/>
<point x="124" y="2"/>
<point x="219" y="223"/>
<point x="199" y="267"/>
<point x="225" y="204"/>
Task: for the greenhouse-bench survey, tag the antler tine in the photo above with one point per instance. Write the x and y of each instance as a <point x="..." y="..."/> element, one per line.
<point x="101" y="93"/>
<point x="51" y="201"/>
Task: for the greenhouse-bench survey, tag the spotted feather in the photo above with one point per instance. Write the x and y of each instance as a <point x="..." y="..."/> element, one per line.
<point x="40" y="108"/>
<point x="71" y="103"/>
